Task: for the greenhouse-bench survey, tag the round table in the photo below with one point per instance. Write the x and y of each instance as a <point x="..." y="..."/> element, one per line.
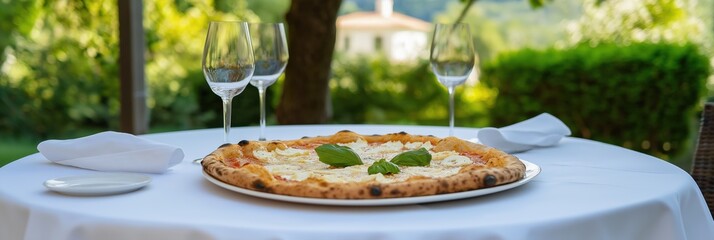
<point x="586" y="190"/>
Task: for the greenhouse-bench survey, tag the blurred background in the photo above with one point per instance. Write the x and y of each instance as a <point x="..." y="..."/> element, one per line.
<point x="633" y="73"/>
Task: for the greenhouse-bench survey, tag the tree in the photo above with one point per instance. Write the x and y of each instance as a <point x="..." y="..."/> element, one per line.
<point x="625" y="21"/>
<point x="469" y="3"/>
<point x="311" y="26"/>
<point x="312" y="30"/>
<point x="18" y="18"/>
<point x="501" y="26"/>
<point x="60" y="78"/>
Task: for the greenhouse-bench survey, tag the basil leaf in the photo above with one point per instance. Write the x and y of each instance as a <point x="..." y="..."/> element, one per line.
<point x="337" y="156"/>
<point x="420" y="157"/>
<point x="383" y="167"/>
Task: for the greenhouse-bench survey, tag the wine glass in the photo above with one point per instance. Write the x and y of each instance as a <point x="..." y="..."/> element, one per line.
<point x="452" y="59"/>
<point x="271" y="56"/>
<point x="227" y="63"/>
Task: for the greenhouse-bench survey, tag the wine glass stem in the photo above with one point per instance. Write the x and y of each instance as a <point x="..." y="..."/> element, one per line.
<point x="451" y="110"/>
<point x="261" y="96"/>
<point x="226" y="118"/>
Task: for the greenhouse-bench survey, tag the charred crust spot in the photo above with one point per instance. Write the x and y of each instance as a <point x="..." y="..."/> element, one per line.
<point x="274" y="143"/>
<point x="430" y="135"/>
<point x="361" y="192"/>
<point x="489" y="180"/>
<point x="376" y="135"/>
<point x="242" y="143"/>
<point x="304" y="137"/>
<point x="345" y="131"/>
<point x="402" y="133"/>
<point x="444" y="184"/>
<point x="224" y="145"/>
<point x="259" y="185"/>
<point x="395" y="192"/>
<point x="375" y="190"/>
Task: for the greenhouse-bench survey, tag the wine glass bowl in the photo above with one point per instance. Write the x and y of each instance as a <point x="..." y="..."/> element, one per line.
<point x="452" y="73"/>
<point x="270" y="50"/>
<point x="228" y="63"/>
<point x="234" y="79"/>
<point x="452" y="58"/>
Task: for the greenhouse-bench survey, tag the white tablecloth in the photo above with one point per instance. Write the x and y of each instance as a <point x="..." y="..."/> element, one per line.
<point x="587" y="190"/>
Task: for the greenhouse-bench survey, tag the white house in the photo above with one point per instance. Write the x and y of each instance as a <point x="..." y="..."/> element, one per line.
<point x="398" y="36"/>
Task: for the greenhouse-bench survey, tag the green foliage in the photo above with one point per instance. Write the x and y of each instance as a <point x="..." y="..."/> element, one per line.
<point x="536" y="3"/>
<point x="179" y="95"/>
<point x="62" y="75"/>
<point x="59" y="75"/>
<point x="16" y="20"/>
<point x="374" y="90"/>
<point x="642" y="96"/>
<point x="269" y="10"/>
<point x="625" y="21"/>
<point x="468" y="3"/>
<point x="500" y="26"/>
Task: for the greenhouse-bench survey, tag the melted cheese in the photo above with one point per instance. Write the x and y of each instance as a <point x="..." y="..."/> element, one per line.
<point x="299" y="164"/>
<point x="456" y="161"/>
<point x="291" y="152"/>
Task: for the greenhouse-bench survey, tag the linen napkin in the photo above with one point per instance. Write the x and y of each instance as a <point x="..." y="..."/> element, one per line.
<point x="113" y="152"/>
<point x="540" y="131"/>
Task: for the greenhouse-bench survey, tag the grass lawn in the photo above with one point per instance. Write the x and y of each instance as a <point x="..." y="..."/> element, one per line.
<point x="13" y="149"/>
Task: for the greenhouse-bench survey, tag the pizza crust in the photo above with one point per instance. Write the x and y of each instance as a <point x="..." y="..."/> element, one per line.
<point x="236" y="165"/>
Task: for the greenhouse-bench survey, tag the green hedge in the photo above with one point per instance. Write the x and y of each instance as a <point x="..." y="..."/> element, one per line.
<point x="62" y="80"/>
<point x="69" y="104"/>
<point x="371" y="89"/>
<point x="643" y="96"/>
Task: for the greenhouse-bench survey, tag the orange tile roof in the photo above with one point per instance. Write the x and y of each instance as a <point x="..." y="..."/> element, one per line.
<point x="373" y="20"/>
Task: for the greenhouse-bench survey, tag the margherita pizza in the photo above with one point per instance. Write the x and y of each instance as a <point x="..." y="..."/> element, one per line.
<point x="348" y="165"/>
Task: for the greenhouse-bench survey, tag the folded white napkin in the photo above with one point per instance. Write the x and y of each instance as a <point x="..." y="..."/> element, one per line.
<point x="112" y="151"/>
<point x="540" y="131"/>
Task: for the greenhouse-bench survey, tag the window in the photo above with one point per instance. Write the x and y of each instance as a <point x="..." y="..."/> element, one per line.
<point x="378" y="43"/>
<point x="347" y="43"/>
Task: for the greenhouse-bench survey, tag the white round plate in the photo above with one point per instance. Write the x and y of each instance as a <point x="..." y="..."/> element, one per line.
<point x="98" y="184"/>
<point x="531" y="171"/>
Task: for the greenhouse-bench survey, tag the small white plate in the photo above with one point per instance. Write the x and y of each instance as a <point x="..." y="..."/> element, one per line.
<point x="532" y="170"/>
<point x="98" y="184"/>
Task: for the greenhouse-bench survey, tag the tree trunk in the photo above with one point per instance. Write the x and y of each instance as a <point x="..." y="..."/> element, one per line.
<point x="311" y="42"/>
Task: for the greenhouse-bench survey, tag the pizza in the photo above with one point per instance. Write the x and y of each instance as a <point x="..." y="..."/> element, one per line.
<point x="347" y="165"/>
